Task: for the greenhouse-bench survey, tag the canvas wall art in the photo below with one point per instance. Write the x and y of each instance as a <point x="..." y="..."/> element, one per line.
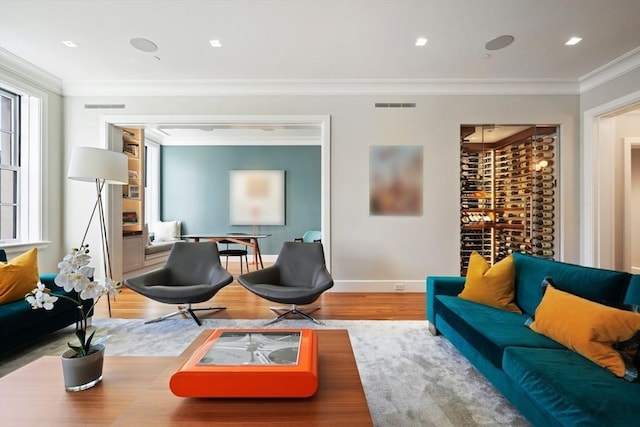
<point x="257" y="197"/>
<point x="395" y="180"/>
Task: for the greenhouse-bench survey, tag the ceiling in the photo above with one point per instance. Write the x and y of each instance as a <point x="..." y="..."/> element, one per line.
<point x="318" y="40"/>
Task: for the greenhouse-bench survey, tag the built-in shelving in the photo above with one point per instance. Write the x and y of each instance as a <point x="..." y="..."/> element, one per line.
<point x="133" y="192"/>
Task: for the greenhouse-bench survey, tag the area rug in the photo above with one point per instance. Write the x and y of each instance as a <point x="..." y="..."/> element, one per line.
<point x="410" y="377"/>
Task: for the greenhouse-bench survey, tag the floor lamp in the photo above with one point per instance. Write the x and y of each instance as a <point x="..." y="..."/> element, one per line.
<point x="101" y="167"/>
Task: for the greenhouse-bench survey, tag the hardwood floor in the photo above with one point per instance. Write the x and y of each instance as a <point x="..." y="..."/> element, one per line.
<point x="242" y="304"/>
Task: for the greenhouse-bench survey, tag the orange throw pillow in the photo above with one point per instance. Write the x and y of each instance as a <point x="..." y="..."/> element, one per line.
<point x="586" y="327"/>
<point x="490" y="285"/>
<point x="19" y="276"/>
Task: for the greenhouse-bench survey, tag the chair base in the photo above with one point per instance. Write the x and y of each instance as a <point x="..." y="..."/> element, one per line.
<point x="293" y="310"/>
<point x="184" y="311"/>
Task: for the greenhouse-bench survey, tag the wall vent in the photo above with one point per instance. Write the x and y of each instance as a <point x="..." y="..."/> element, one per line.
<point x="103" y="106"/>
<point x="395" y="105"/>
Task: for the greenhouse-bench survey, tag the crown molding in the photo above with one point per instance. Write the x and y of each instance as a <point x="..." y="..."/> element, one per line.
<point x="21" y="69"/>
<point x="610" y="70"/>
<point x="321" y="87"/>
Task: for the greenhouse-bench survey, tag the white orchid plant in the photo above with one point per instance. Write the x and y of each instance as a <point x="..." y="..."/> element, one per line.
<point x="75" y="275"/>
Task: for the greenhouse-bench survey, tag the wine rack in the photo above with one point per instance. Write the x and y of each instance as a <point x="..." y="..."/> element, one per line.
<point x="507" y="196"/>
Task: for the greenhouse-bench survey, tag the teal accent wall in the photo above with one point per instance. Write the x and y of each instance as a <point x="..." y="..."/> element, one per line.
<point x="195" y="188"/>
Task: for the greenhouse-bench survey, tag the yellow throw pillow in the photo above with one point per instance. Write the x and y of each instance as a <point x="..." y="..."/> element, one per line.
<point x="586" y="327"/>
<point x="19" y="276"/>
<point x="490" y="285"/>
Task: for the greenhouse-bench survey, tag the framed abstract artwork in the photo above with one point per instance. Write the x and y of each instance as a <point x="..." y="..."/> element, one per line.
<point x="395" y="180"/>
<point x="257" y="197"/>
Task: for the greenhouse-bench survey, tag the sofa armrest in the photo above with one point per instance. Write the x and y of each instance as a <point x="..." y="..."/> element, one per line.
<point x="633" y="291"/>
<point x="47" y="279"/>
<point x="441" y="285"/>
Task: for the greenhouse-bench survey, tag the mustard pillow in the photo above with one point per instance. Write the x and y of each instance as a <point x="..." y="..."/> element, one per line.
<point x="19" y="276"/>
<point x="586" y="327"/>
<point x="490" y="285"/>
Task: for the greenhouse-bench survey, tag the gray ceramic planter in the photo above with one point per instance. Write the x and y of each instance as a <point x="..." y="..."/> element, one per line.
<point x="81" y="373"/>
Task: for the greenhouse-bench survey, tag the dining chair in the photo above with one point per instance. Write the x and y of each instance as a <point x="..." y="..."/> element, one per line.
<point x="310" y="236"/>
<point x="235" y="250"/>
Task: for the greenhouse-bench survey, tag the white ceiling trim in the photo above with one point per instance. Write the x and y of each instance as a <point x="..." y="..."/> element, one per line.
<point x="611" y="70"/>
<point x="15" y="65"/>
<point x="321" y="87"/>
<point x="168" y="141"/>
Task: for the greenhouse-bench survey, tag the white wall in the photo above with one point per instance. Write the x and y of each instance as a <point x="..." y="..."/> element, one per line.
<point x="370" y="252"/>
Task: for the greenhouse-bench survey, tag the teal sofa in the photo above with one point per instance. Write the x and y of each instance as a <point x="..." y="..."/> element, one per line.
<point x="548" y="383"/>
<point x="21" y="325"/>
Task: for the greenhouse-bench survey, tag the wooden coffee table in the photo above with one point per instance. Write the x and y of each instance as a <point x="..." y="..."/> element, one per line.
<point x="135" y="392"/>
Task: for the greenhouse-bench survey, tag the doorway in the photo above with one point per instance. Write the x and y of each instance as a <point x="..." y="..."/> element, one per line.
<point x="109" y="135"/>
<point x="603" y="197"/>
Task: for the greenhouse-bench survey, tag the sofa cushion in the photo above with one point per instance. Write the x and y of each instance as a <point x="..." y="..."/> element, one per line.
<point x="587" y="327"/>
<point x="490" y="285"/>
<point x="18" y="276"/>
<point x="571" y="388"/>
<point x="167" y="231"/>
<point x="598" y="285"/>
<point x="489" y="330"/>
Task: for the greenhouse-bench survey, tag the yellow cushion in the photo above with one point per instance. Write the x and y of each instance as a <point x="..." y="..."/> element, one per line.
<point x="586" y="327"/>
<point x="19" y="276"/>
<point x="490" y="285"/>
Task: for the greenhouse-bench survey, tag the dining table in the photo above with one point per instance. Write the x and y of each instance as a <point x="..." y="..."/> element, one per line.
<point x="248" y="240"/>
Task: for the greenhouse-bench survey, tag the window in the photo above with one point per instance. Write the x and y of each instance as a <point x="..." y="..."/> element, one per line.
<point x="21" y="197"/>
<point x="9" y="165"/>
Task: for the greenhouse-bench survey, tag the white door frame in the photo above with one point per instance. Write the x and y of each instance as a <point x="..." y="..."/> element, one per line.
<point x="630" y="144"/>
<point x="107" y="122"/>
<point x="597" y="182"/>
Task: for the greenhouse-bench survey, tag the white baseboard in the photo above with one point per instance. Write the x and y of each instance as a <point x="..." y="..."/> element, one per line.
<point x="635" y="270"/>
<point x="379" y="286"/>
<point x="366" y="285"/>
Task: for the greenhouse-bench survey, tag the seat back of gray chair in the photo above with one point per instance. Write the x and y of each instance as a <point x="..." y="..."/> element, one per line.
<point x="193" y="262"/>
<point x="301" y="264"/>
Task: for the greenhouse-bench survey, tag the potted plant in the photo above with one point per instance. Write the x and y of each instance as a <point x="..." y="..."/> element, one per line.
<point x="82" y="363"/>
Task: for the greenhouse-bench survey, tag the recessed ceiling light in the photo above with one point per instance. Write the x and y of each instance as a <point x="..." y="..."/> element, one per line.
<point x="421" y="41"/>
<point x="69" y="43"/>
<point x="499" y="42"/>
<point x="143" y="44"/>
<point x="573" y="41"/>
<point x="215" y="43"/>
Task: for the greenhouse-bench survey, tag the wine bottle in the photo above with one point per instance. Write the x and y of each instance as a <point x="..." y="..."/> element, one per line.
<point x="544" y="237"/>
<point x="548" y="200"/>
<point x="545" y="184"/>
<point x="544" y="245"/>
<point x="544" y="222"/>
<point x="546" y="253"/>
<point x="546" y="230"/>
<point x="543" y="147"/>
<point x="544" y="207"/>
<point x="545" y="215"/>
<point x="545" y="192"/>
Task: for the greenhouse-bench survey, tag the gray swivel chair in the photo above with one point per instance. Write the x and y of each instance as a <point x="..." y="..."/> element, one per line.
<point x="298" y="277"/>
<point x="191" y="274"/>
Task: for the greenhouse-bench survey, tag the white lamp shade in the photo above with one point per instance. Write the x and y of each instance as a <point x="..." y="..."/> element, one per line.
<point x="89" y="164"/>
